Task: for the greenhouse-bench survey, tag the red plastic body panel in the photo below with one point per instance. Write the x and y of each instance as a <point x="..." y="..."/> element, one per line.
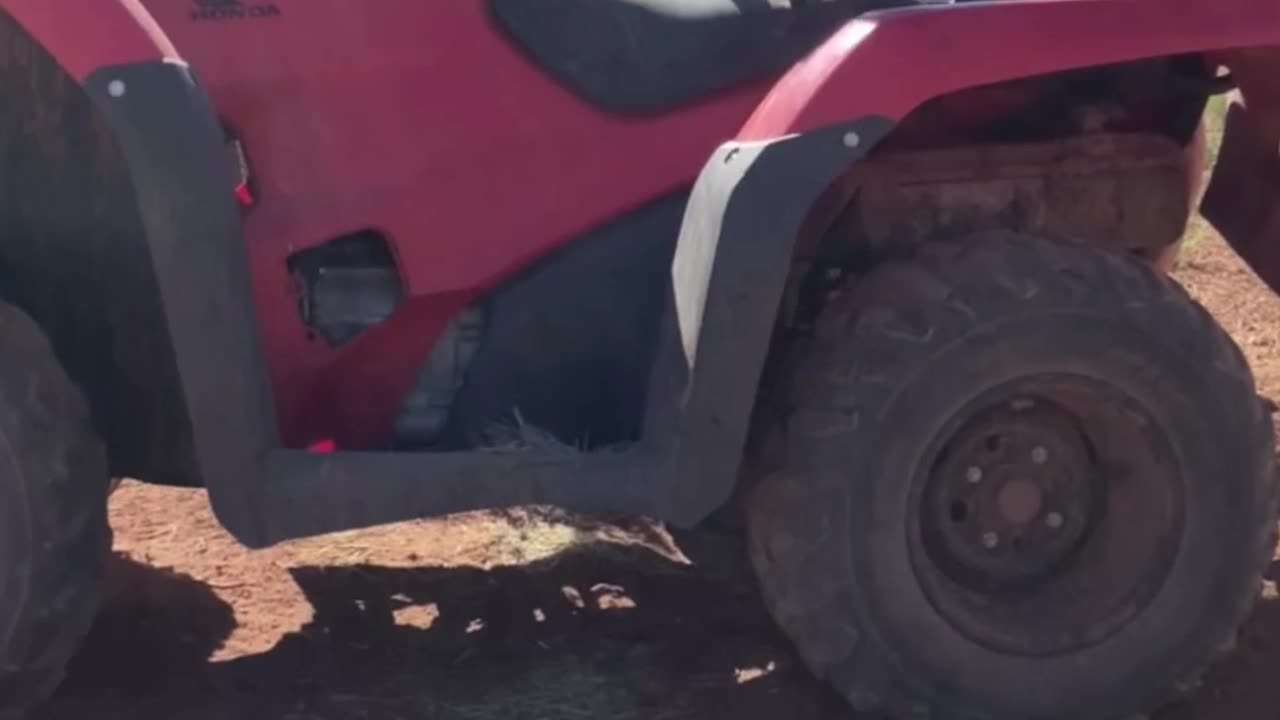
<point x="419" y="120"/>
<point x="965" y="46"/>
<point x="118" y="32"/>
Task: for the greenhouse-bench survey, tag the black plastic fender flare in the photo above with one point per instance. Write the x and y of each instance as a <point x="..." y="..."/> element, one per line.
<point x="729" y="274"/>
<point x="169" y="134"/>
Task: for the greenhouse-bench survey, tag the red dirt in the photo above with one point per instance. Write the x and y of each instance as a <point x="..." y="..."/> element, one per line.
<point x="511" y="615"/>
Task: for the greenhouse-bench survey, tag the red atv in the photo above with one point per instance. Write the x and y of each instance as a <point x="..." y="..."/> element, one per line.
<point x="353" y="263"/>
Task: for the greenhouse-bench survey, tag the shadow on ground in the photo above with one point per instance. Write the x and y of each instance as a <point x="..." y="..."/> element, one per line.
<point x="147" y="654"/>
<point x="598" y="632"/>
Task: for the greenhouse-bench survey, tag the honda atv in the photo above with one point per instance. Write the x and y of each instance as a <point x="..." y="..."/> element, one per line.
<point x="890" y="274"/>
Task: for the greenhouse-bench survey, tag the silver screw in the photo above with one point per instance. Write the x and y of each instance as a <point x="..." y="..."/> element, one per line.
<point x="1039" y="455"/>
<point x="116" y="88"/>
<point x="852" y="139"/>
<point x="973" y="475"/>
<point x="1054" y="520"/>
<point x="990" y="540"/>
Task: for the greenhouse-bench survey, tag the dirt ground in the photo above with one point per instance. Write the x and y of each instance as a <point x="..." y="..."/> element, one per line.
<point x="523" y="615"/>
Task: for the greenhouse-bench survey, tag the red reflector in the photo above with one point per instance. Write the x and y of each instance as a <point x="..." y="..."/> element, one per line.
<point x="243" y="196"/>
<point x="240" y="165"/>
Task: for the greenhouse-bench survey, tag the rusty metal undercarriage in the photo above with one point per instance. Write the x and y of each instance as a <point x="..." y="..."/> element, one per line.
<point x="1127" y="192"/>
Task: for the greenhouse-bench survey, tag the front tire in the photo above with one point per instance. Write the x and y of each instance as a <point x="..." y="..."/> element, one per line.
<point x="1018" y="480"/>
<point x="54" y="536"/>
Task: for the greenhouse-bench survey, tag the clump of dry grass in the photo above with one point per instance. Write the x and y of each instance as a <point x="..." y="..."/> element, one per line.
<point x="520" y="435"/>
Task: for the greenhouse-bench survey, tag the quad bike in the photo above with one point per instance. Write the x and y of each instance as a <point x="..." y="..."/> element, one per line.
<point x="889" y="272"/>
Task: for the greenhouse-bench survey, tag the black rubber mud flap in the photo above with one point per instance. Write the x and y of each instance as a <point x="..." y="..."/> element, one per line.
<point x="169" y="134"/>
<point x="728" y="276"/>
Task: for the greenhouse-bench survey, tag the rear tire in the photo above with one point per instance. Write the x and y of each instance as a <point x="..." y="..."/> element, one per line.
<point x="1018" y="480"/>
<point x="54" y="536"/>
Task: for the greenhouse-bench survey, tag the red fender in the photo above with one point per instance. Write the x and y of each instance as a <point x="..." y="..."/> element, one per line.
<point x="887" y="64"/>
<point x="84" y="37"/>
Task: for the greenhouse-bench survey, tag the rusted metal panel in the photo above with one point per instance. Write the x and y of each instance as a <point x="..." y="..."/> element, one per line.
<point x="1120" y="191"/>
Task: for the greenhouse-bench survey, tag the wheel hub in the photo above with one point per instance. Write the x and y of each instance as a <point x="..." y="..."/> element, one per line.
<point x="1049" y="510"/>
<point x="1020" y="502"/>
<point x="1012" y="497"/>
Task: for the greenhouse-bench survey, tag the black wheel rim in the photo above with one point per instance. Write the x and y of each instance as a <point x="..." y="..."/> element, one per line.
<point x="1047" y="515"/>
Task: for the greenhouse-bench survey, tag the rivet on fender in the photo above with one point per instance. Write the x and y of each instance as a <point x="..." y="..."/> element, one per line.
<point x="116" y="88"/>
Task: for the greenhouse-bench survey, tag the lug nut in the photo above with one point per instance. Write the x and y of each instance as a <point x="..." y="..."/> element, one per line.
<point x="1039" y="455"/>
<point x="973" y="475"/>
<point x="990" y="540"/>
<point x="1054" y="520"/>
